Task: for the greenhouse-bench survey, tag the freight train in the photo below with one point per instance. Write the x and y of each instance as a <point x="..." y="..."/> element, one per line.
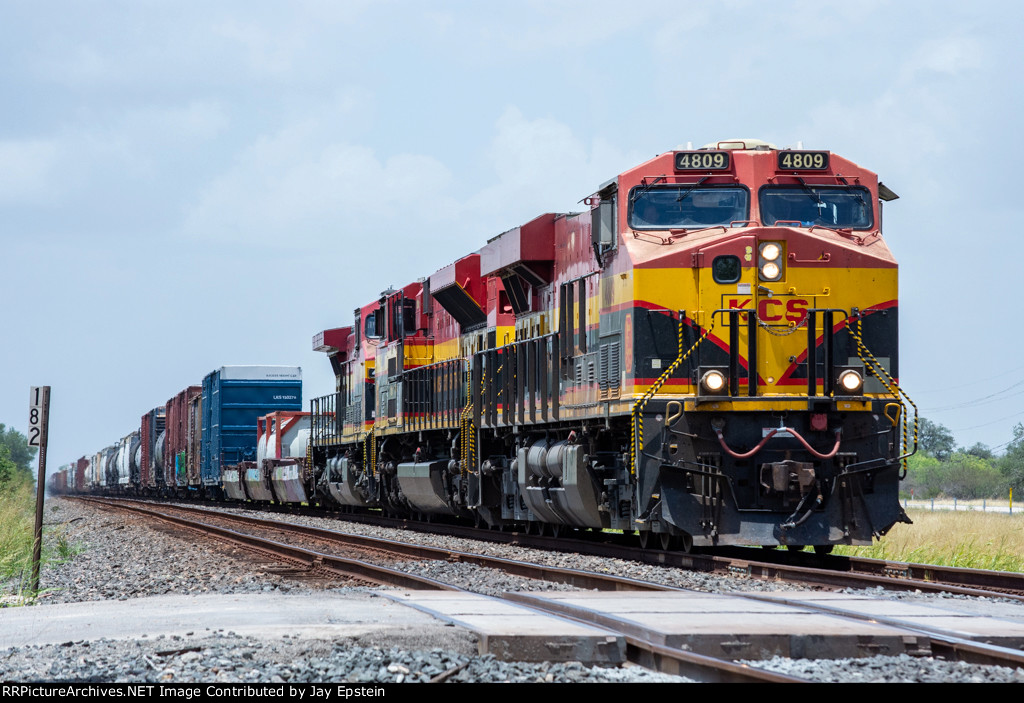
<point x="706" y="355"/>
<point x="181" y="447"/>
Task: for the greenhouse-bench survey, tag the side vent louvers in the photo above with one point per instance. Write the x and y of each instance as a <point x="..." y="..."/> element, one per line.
<point x="610" y="374"/>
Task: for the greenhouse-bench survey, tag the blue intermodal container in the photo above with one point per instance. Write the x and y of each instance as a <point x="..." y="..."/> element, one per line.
<point x="233" y="397"/>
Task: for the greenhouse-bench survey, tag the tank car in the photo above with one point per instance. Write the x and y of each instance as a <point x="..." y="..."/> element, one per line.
<point x="707" y="355"/>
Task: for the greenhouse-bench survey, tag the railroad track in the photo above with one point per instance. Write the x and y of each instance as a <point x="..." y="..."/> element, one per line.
<point x="318" y="554"/>
<point x="650" y="654"/>
<point x="777" y="565"/>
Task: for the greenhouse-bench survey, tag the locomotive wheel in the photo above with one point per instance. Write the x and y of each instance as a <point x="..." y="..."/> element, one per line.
<point x="645" y="539"/>
<point x="554" y="529"/>
<point x="667" y="541"/>
<point x="823" y="548"/>
<point x="685" y="543"/>
<point x="795" y="547"/>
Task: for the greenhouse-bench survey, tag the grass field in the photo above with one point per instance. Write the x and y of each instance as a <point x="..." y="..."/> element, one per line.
<point x="970" y="539"/>
<point x="16" y="522"/>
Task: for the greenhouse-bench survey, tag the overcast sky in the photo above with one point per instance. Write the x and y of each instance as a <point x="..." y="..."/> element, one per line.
<point x="185" y="185"/>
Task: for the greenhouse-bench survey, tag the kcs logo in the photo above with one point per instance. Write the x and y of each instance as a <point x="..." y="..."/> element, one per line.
<point x="778" y="309"/>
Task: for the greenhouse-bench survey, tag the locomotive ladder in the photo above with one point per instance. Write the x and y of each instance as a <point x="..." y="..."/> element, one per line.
<point x="637" y="418"/>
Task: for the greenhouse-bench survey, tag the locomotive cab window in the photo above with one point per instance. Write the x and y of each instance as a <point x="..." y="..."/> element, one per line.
<point x="687" y="206"/>
<point x="409" y="316"/>
<point x="371" y="325"/>
<point x="828" y="206"/>
<point x="726" y="269"/>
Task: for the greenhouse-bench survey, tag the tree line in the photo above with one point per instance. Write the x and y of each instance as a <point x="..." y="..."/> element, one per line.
<point x="941" y="469"/>
<point x="16" y="457"/>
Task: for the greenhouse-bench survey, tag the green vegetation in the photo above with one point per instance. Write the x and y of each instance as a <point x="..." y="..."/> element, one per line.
<point x="16" y="518"/>
<point x="969" y="539"/>
<point x="17" y="513"/>
<point x="939" y="469"/>
<point x="19" y="453"/>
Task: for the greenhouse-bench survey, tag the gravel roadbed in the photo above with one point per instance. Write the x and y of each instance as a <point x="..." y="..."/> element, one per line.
<point x="121" y="556"/>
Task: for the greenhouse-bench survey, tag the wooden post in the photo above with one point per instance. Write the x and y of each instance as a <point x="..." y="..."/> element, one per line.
<point x="38" y="421"/>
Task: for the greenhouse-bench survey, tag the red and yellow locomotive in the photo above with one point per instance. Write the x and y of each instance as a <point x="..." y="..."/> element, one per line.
<point x="708" y="355"/>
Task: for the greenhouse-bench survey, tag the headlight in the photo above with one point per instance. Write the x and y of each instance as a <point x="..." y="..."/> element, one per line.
<point x="713" y="381"/>
<point x="851" y="381"/>
<point x="770" y="261"/>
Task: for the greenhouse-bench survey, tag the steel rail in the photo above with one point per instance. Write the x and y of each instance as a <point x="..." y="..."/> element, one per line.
<point x="646" y="651"/>
<point x="847" y="579"/>
<point x="838" y="572"/>
<point x="312" y="561"/>
<point x="942" y="643"/>
<point x="640" y="649"/>
<point x="878" y="572"/>
<point x="1011" y="584"/>
<point x="581" y="579"/>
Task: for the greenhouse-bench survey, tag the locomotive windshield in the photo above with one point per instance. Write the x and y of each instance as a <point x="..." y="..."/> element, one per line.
<point x="847" y="207"/>
<point x="687" y="207"/>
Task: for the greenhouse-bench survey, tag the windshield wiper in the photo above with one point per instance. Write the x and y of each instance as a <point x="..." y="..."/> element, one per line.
<point x="810" y="193"/>
<point x="638" y="193"/>
<point x="683" y="194"/>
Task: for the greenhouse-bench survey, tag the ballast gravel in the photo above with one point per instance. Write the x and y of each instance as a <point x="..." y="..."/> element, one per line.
<point x="229" y="658"/>
<point x="121" y="557"/>
<point x="897" y="669"/>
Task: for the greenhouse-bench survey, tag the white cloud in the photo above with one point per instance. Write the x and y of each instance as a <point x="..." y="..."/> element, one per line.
<point x="576" y="25"/>
<point x="920" y="108"/>
<point x="302" y="185"/>
<point x="78" y="64"/>
<point x="542" y="166"/>
<point x="26" y="169"/>
<point x="92" y="160"/>
<point x="949" y="56"/>
<point x="532" y="27"/>
<point x="529" y="152"/>
<point x="199" y="119"/>
<point x="268" y="49"/>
